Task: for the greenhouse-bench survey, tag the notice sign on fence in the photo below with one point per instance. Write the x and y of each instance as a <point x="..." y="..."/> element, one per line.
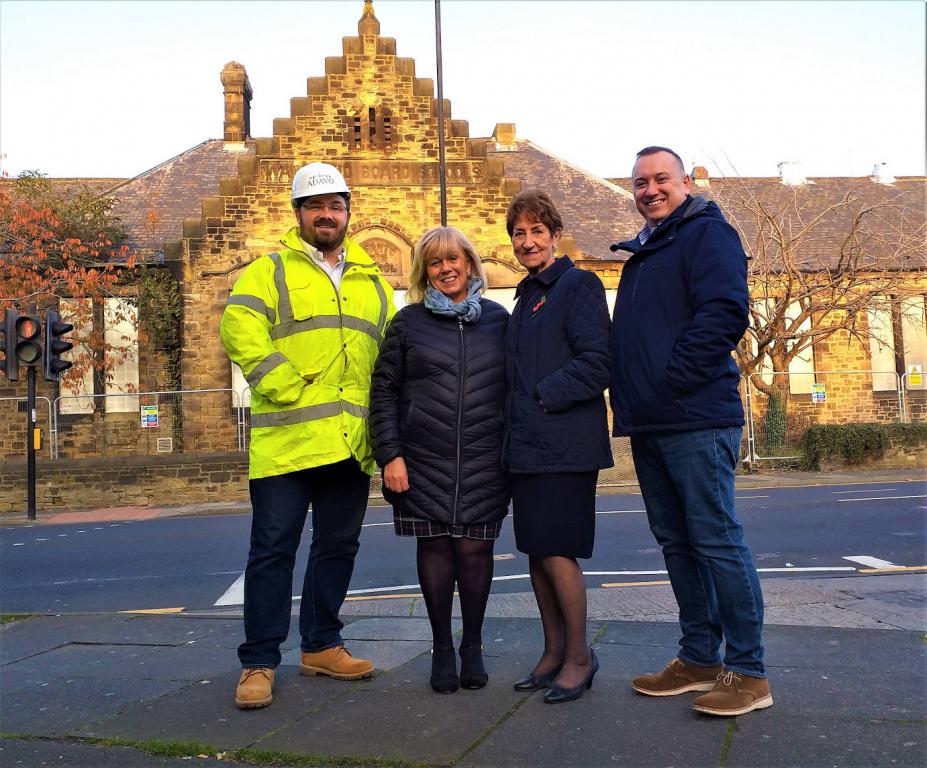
<point x="915" y="377"/>
<point x="149" y="416"/>
<point x="818" y="393"/>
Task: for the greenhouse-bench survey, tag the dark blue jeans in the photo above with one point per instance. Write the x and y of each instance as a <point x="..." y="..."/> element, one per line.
<point x="338" y="495"/>
<point x="687" y="481"/>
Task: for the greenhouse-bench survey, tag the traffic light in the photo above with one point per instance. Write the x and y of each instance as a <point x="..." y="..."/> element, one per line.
<point x="55" y="328"/>
<point x="29" y="340"/>
<point x="10" y="364"/>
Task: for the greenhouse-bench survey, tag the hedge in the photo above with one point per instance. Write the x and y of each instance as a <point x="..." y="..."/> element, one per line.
<point x="854" y="443"/>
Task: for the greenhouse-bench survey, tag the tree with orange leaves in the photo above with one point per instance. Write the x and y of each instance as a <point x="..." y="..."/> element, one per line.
<point x="59" y="248"/>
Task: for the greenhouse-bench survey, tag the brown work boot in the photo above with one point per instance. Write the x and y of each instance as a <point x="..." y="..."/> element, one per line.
<point x="677" y="677"/>
<point x="734" y="694"/>
<point x="335" y="662"/>
<point x="255" y="688"/>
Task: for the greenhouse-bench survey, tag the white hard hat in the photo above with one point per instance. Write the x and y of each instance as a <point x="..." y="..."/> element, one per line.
<point x="318" y="179"/>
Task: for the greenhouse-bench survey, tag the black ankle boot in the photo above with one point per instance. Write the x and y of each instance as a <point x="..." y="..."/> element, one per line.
<point x="472" y="672"/>
<point x="444" y="670"/>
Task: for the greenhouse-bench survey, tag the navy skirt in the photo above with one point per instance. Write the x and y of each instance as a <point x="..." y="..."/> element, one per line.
<point x="554" y="513"/>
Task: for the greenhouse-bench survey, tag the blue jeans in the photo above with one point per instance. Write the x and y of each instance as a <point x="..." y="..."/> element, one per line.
<point x="687" y="481"/>
<point x="338" y="495"/>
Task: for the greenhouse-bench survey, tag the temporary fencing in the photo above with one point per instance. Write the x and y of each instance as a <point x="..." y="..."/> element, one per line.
<point x="779" y="407"/>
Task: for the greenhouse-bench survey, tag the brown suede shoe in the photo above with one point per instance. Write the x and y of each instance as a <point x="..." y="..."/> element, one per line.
<point x="255" y="688"/>
<point x="735" y="694"/>
<point x="335" y="662"/>
<point x="677" y="677"/>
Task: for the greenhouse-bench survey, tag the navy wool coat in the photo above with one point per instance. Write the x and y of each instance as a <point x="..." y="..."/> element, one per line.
<point x="437" y="400"/>
<point x="557" y="366"/>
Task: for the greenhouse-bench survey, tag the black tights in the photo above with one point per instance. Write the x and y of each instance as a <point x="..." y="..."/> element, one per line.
<point x="560" y="589"/>
<point x="441" y="562"/>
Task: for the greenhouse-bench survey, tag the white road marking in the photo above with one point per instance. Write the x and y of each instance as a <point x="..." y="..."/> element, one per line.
<point x="885" y="498"/>
<point x="234" y="595"/>
<point x="374" y="525"/>
<point x="619" y="511"/>
<point x="871" y="562"/>
<point x="868" y="490"/>
<point x="41" y="539"/>
<point x="21" y="544"/>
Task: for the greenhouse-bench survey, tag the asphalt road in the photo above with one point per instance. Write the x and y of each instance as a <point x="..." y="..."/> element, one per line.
<point x="197" y="562"/>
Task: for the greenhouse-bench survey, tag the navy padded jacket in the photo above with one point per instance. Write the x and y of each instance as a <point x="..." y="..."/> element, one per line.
<point x="437" y="400"/>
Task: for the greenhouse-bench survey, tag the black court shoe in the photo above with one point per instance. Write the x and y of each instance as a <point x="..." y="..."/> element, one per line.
<point x="472" y="672"/>
<point x="537" y="682"/>
<point x="557" y="694"/>
<point x="444" y="670"/>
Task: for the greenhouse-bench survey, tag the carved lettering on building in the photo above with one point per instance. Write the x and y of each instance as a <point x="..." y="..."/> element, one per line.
<point x="399" y="172"/>
<point x="385" y="254"/>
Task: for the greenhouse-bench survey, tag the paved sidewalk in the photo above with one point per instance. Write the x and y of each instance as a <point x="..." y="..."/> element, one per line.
<point x="847" y="660"/>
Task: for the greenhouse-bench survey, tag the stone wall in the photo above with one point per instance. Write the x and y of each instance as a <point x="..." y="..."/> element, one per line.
<point x="144" y="481"/>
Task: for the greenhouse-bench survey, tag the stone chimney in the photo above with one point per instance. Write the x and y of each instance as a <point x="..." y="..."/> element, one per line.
<point x="504" y="137"/>
<point x="881" y="174"/>
<point x="368" y="24"/>
<point x="790" y="173"/>
<point x="699" y="176"/>
<point x="237" y="90"/>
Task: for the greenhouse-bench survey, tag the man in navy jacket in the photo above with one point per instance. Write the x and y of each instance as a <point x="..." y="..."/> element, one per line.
<point x="681" y="310"/>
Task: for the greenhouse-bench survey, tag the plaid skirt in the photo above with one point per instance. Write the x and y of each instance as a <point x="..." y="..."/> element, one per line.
<point x="413" y="526"/>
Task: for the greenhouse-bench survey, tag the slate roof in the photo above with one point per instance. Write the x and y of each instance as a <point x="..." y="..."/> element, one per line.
<point x="154" y="204"/>
<point x="898" y="208"/>
<point x="596" y="212"/>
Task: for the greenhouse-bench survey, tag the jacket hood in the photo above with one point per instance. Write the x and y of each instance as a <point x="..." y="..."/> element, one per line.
<point x="692" y="207"/>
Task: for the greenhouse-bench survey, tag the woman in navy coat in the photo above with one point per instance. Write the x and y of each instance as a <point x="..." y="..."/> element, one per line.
<point x="436" y="407"/>
<point x="557" y="367"/>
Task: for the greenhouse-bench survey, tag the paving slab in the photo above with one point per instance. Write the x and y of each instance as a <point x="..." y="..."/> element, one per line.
<point x="416" y="725"/>
<point x="82" y="661"/>
<point x="31" y="753"/>
<point x="66" y="705"/>
<point x="775" y="740"/>
<point x="609" y="725"/>
<point x="836" y="648"/>
<point x="207" y="713"/>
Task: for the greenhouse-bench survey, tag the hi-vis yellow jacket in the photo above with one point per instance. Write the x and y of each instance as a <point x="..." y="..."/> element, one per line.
<point x="307" y="351"/>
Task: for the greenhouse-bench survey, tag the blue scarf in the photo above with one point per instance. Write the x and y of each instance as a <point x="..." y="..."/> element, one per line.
<point x="468" y="310"/>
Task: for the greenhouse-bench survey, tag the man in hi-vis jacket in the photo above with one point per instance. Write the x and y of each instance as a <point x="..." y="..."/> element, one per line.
<point x="304" y="324"/>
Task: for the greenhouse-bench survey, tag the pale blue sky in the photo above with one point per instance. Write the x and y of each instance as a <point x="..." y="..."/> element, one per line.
<point x="113" y="88"/>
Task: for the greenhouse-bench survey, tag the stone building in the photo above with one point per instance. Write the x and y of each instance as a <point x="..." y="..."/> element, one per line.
<point x="206" y="213"/>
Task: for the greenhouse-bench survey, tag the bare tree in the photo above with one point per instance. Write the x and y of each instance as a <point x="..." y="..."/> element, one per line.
<point x="817" y="261"/>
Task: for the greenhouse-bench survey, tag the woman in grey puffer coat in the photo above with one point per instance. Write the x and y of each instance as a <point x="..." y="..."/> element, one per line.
<point x="436" y="409"/>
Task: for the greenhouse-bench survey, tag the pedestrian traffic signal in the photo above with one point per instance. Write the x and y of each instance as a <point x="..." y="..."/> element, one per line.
<point x="55" y="328"/>
<point x="29" y="340"/>
<point x="10" y="364"/>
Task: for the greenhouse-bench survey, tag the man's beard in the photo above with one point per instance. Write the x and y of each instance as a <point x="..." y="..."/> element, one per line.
<point x="324" y="241"/>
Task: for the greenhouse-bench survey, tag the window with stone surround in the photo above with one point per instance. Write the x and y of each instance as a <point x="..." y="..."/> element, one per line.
<point x="371" y="128"/>
<point x="898" y="340"/>
<point x="120" y="328"/>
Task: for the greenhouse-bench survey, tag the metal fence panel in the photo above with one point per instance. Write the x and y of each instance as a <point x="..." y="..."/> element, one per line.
<point x="777" y="417"/>
<point x="141" y="423"/>
<point x="13" y="436"/>
<point x="914" y="396"/>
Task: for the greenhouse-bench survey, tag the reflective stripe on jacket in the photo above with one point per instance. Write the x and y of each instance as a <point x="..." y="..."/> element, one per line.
<point x="307" y="351"/>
